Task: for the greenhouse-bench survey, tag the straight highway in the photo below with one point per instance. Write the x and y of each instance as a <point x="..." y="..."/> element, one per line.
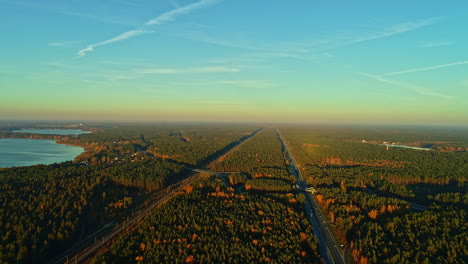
<point x="329" y="247"/>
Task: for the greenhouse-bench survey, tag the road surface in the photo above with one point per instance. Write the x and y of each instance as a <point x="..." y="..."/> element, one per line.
<point x="329" y="247"/>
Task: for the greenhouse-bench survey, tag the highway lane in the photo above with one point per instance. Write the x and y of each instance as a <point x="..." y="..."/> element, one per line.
<point x="329" y="247"/>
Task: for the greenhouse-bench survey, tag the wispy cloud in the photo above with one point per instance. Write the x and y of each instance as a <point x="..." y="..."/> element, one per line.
<point x="116" y="76"/>
<point x="260" y="84"/>
<point x="171" y="15"/>
<point x="398" y="29"/>
<point x="161" y="19"/>
<point x="64" y="44"/>
<point x="174" y="3"/>
<point x="242" y="42"/>
<point x="57" y="9"/>
<point x="121" y="37"/>
<point x="342" y="39"/>
<point x="257" y="59"/>
<point x="436" y="44"/>
<point x="426" y="68"/>
<point x="56" y="44"/>
<point x="415" y="88"/>
<point x="213" y="69"/>
<point x="304" y="49"/>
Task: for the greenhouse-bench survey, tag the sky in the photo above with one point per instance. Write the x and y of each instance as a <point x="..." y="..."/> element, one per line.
<point x="298" y="61"/>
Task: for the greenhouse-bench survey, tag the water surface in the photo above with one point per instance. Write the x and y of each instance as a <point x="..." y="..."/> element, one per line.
<point x="27" y="152"/>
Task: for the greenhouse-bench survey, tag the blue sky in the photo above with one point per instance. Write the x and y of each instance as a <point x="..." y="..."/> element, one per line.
<point x="265" y="61"/>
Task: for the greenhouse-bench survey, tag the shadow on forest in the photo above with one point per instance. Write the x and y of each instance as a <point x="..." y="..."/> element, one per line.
<point x="333" y="166"/>
<point x="178" y="162"/>
<point x="273" y="178"/>
<point x="214" y="156"/>
<point x="272" y="167"/>
<point x="423" y="190"/>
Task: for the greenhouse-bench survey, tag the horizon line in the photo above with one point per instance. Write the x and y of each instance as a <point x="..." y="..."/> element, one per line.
<point x="201" y="122"/>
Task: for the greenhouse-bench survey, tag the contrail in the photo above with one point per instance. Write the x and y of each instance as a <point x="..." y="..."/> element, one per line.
<point x="121" y="37"/>
<point x="169" y="16"/>
<point x="427" y="68"/>
<point x="161" y="19"/>
<point x="415" y="88"/>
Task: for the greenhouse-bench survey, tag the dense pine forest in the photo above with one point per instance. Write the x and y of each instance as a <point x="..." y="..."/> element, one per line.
<point x="394" y="205"/>
<point x="261" y="164"/>
<point x="256" y="217"/>
<point x="46" y="209"/>
<point x="211" y="223"/>
<point x="194" y="145"/>
<point x="384" y="204"/>
<point x="189" y="145"/>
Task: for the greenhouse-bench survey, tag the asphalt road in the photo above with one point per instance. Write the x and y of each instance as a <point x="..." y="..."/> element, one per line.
<point x="329" y="247"/>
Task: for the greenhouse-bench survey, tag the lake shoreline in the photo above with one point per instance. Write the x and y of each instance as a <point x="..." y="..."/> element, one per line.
<point x="67" y="140"/>
<point x="24" y="152"/>
<point x="86" y="148"/>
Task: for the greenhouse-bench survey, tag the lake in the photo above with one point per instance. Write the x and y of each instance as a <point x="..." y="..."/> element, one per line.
<point x="64" y="132"/>
<point x="27" y="152"/>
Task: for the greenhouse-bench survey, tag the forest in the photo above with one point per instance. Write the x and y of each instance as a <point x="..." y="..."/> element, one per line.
<point x="210" y="223"/>
<point x="390" y="206"/>
<point x="256" y="218"/>
<point x="387" y="205"/>
<point x="44" y="210"/>
<point x="192" y="145"/>
<point x="261" y="162"/>
<point x="188" y="145"/>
